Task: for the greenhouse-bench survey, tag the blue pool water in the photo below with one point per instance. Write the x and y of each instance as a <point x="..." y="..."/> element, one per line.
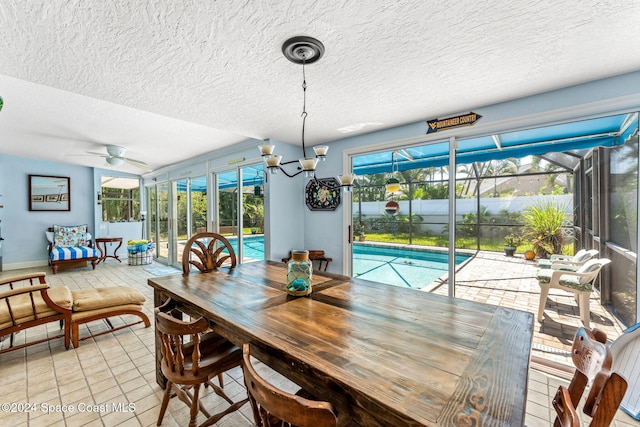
<point x="252" y="246"/>
<point x="410" y="267"/>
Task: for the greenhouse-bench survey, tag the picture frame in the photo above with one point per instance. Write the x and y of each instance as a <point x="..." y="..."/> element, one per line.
<point x="322" y="194"/>
<point x="49" y="193"/>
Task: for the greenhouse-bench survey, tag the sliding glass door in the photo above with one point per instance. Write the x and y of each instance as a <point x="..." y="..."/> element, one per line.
<point x="158" y="206"/>
<point x="189" y="199"/>
<point x="239" y="210"/>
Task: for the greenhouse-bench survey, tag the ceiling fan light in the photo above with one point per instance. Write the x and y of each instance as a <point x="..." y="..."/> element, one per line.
<point x="115" y="161"/>
<point x="116" y="150"/>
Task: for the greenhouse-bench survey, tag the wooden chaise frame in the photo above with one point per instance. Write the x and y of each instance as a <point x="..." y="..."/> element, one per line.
<point x="37" y="285"/>
<point x="69" y="320"/>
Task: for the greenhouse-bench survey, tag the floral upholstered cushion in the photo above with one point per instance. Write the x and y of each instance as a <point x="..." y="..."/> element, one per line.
<point x="574" y="282"/>
<point x="69" y="236"/>
<point x="569" y="280"/>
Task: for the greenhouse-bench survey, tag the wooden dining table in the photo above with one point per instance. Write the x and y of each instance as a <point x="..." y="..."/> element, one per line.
<point x="382" y="355"/>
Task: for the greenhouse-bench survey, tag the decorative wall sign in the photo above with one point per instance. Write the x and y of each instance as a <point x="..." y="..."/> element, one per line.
<point x="452" y="122"/>
<point x="323" y="194"/>
<point x="49" y="193"/>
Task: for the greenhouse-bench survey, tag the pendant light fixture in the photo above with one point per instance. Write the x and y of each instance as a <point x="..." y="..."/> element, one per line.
<point x="302" y="50"/>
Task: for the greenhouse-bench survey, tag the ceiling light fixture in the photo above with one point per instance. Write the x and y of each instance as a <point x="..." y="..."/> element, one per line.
<point x="302" y="50"/>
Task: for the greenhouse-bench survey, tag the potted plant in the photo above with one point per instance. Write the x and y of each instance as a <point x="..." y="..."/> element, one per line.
<point x="544" y="225"/>
<point x="511" y="242"/>
<point x="360" y="232"/>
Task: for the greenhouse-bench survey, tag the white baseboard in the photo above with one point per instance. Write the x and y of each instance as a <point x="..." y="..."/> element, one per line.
<point x="21" y="265"/>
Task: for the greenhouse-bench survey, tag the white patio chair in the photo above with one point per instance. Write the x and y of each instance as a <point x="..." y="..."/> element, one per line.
<point x="579" y="282"/>
<point x="565" y="262"/>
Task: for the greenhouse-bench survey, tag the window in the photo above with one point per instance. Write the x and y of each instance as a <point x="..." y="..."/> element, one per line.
<point x="120" y="199"/>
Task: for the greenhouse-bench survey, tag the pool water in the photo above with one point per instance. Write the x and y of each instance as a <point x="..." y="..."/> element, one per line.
<point x="409" y="267"/>
<point x="252" y="247"/>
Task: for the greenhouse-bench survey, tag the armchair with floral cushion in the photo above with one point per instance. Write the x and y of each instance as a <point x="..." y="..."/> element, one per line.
<point x="70" y="246"/>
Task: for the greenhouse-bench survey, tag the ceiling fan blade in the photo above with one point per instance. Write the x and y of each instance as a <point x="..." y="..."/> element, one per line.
<point x="138" y="163"/>
<point x="130" y="160"/>
<point x="93" y="153"/>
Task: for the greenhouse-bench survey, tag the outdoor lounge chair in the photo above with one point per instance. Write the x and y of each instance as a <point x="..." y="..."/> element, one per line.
<point x="564" y="262"/>
<point x="580" y="282"/>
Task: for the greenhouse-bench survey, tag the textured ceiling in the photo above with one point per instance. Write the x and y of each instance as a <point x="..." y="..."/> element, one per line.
<point x="171" y="80"/>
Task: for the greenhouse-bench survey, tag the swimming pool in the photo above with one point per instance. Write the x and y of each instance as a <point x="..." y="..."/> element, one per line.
<point x="252" y="246"/>
<point x="401" y="266"/>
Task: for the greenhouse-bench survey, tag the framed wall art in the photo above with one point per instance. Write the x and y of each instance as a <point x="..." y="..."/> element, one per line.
<point x="49" y="193"/>
<point x="322" y="194"/>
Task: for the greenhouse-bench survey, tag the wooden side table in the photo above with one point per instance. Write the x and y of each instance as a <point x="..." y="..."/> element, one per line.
<point x="103" y="248"/>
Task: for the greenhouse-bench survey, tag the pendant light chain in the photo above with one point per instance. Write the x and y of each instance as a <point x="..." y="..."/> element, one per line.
<point x="300" y="50"/>
<point x="304" y="105"/>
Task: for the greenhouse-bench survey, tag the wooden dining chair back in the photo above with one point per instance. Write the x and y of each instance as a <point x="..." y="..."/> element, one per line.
<point x="190" y="359"/>
<point x="207" y="252"/>
<point x="593" y="360"/>
<point x="567" y="416"/>
<point x="274" y="407"/>
<point x="590" y="355"/>
<point x="626" y="360"/>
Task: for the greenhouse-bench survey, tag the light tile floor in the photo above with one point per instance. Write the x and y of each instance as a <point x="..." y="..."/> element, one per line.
<point x="110" y="380"/>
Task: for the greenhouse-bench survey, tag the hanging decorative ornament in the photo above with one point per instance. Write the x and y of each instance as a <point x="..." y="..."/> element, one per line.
<point x="392" y="185"/>
<point x="392" y="207"/>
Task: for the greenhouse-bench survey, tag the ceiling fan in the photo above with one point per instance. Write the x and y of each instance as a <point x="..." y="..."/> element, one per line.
<point x="115" y="157"/>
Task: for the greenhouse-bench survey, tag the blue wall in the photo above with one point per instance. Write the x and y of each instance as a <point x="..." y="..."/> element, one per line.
<point x="289" y="224"/>
<point x="25" y="244"/>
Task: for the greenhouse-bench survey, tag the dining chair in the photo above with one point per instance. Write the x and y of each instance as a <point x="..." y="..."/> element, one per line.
<point x="625" y="351"/>
<point x="190" y="363"/>
<point x="593" y="361"/>
<point x="579" y="282"/>
<point x="207" y="252"/>
<point x="567" y="416"/>
<point x="274" y="407"/>
<point x="315" y="255"/>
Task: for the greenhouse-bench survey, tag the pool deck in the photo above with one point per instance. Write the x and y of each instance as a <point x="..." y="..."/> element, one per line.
<point x="493" y="278"/>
